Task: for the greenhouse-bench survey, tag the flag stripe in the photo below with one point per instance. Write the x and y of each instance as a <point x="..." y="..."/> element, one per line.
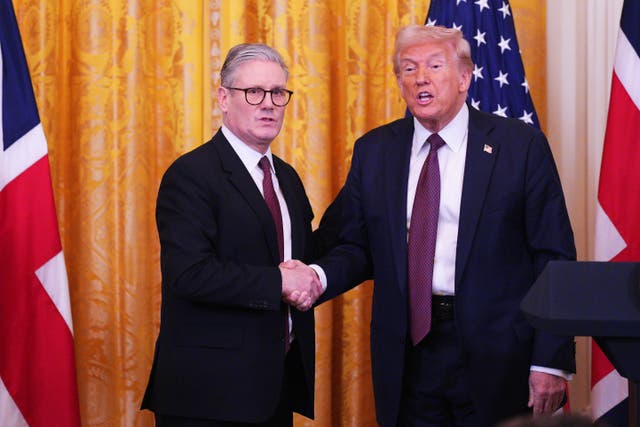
<point x="50" y="274"/>
<point x="607" y="394"/>
<point x="605" y="250"/>
<point x="9" y="413"/>
<point x="22" y="153"/>
<point x="627" y="68"/>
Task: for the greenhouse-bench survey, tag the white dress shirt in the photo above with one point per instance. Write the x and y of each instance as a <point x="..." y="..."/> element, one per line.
<point x="250" y="159"/>
<point x="451" y="159"/>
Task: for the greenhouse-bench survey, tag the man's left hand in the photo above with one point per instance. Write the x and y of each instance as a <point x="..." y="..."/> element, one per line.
<point x="546" y="392"/>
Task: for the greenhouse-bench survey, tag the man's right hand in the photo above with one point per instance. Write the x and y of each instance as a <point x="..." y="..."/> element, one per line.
<point x="301" y="286"/>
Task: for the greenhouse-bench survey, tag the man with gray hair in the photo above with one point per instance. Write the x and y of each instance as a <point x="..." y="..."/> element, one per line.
<point x="236" y="345"/>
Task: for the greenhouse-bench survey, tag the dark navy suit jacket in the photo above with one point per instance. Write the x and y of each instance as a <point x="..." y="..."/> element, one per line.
<point x="513" y="220"/>
<point x="220" y="351"/>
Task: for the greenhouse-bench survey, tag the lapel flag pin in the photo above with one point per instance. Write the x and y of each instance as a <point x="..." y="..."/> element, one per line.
<point x="488" y="149"/>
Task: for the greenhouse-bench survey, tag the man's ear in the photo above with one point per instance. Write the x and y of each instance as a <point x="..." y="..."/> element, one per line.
<point x="465" y="80"/>
<point x="223" y="99"/>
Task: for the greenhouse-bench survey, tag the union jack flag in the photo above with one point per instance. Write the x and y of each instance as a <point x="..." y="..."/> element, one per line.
<point x="617" y="228"/>
<point x="37" y="367"/>
<point x="498" y="84"/>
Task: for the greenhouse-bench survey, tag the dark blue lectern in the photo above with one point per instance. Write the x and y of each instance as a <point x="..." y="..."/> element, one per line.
<point x="597" y="299"/>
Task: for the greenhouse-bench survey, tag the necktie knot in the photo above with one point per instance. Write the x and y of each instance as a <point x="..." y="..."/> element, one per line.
<point x="435" y="141"/>
<point x="264" y="164"/>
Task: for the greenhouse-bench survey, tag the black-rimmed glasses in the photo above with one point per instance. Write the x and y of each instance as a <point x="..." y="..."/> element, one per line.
<point x="255" y="95"/>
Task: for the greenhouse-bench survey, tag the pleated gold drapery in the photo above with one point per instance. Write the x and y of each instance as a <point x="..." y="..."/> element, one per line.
<point x="124" y="87"/>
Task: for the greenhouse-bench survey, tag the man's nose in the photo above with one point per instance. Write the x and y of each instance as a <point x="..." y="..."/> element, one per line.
<point x="423" y="76"/>
<point x="267" y="102"/>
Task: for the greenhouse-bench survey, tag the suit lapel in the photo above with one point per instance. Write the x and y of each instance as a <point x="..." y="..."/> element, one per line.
<point x="482" y="152"/>
<point x="240" y="178"/>
<point x="396" y="170"/>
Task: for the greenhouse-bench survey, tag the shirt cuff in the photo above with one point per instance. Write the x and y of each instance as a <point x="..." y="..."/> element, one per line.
<point x="323" y="277"/>
<point x="557" y="372"/>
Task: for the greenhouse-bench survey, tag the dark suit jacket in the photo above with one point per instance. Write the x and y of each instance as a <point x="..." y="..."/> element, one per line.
<point x="513" y="220"/>
<point x="220" y="353"/>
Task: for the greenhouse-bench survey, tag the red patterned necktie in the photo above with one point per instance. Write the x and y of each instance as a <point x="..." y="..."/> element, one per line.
<point x="422" y="242"/>
<point x="274" y="207"/>
<point x="272" y="203"/>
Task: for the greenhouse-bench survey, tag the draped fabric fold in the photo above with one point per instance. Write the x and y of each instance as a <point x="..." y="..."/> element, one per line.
<point x="125" y="86"/>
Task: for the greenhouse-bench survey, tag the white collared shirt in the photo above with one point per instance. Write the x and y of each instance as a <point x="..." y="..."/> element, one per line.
<point x="250" y="159"/>
<point x="451" y="159"/>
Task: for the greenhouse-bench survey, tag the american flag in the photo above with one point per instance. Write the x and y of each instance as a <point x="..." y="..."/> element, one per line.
<point x="617" y="227"/>
<point x="498" y="84"/>
<point x="37" y="367"/>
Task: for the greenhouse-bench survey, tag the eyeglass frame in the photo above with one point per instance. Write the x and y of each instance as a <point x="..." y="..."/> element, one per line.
<point x="264" y="94"/>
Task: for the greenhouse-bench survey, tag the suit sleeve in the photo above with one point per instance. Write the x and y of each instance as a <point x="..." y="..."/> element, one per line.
<point x="343" y="235"/>
<point x="327" y="235"/>
<point x="191" y="261"/>
<point x="550" y="237"/>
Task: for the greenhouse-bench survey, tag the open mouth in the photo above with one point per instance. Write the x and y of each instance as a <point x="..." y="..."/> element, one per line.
<point x="424" y="97"/>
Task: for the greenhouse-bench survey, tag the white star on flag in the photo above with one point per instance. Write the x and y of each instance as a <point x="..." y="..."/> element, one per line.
<point x="482" y="4"/>
<point x="526" y="117"/>
<point x="477" y="72"/>
<point x="501" y="111"/>
<point x="502" y="78"/>
<point x="504" y="44"/>
<point x="480" y="38"/>
<point x="505" y="10"/>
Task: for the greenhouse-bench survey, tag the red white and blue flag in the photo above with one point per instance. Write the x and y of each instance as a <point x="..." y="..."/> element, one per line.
<point x="498" y="84"/>
<point x="617" y="226"/>
<point x="37" y="367"/>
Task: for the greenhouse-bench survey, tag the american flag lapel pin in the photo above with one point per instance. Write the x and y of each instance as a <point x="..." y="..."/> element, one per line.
<point x="488" y="149"/>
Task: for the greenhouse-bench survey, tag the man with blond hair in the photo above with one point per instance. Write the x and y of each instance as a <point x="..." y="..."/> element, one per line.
<point x="453" y="213"/>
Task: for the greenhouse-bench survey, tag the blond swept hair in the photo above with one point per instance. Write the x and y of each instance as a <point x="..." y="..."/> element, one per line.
<point x="412" y="35"/>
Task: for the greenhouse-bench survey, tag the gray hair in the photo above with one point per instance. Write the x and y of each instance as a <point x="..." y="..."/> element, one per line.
<point x="248" y="52"/>
<point x="412" y="35"/>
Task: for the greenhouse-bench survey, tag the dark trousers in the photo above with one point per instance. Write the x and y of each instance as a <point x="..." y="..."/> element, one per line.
<point x="435" y="391"/>
<point x="283" y="416"/>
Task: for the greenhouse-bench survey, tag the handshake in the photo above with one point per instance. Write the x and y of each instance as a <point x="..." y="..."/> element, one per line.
<point x="301" y="286"/>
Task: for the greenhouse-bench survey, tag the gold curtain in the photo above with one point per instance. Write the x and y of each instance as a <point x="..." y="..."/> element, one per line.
<point x="125" y="86"/>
